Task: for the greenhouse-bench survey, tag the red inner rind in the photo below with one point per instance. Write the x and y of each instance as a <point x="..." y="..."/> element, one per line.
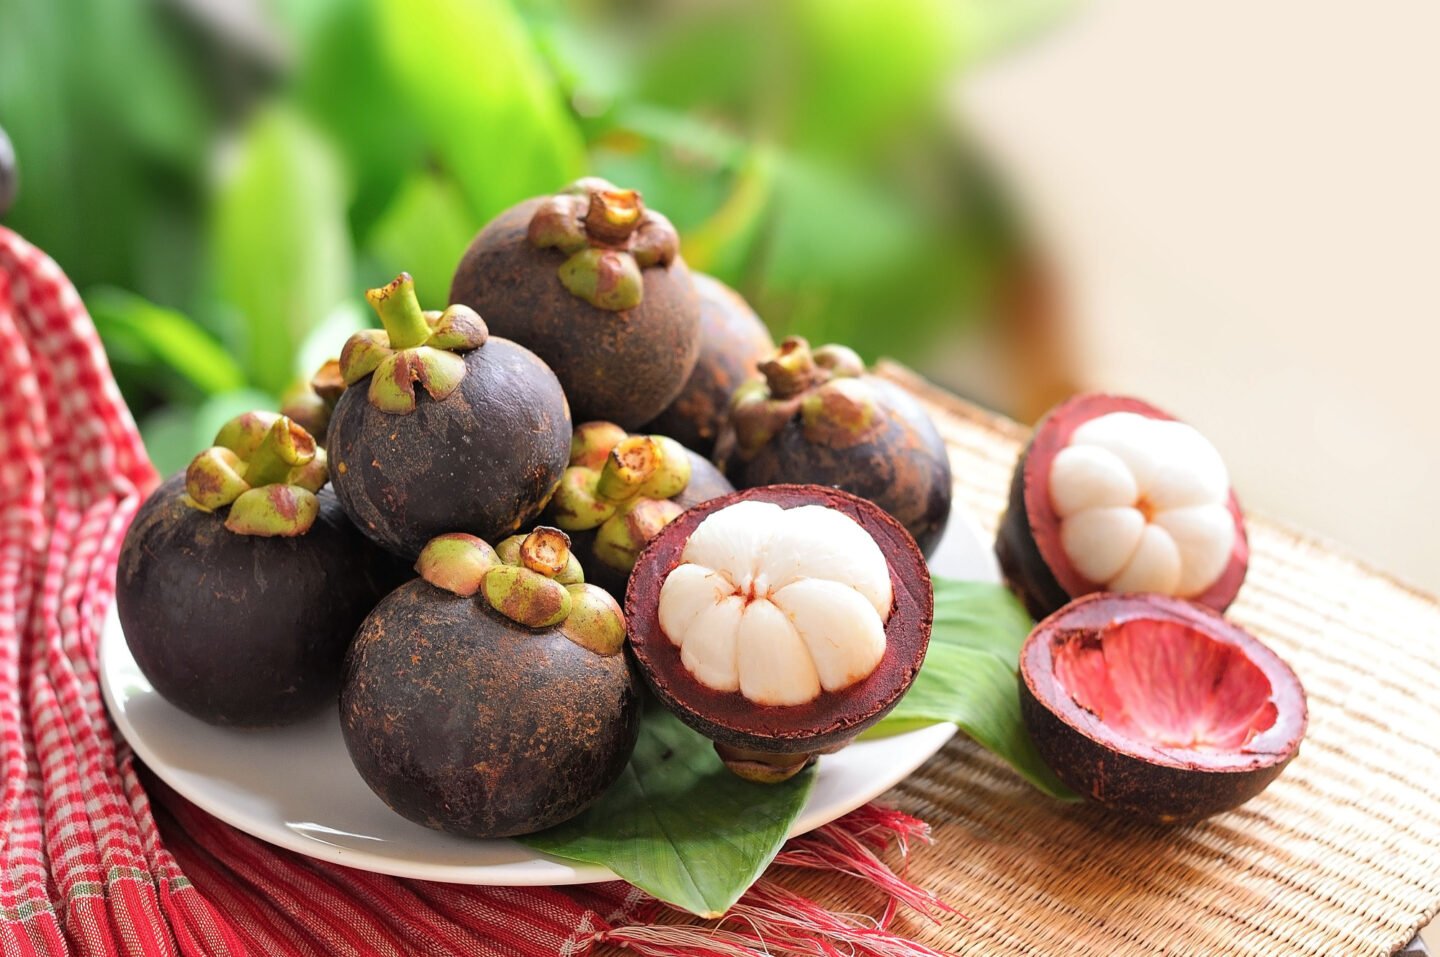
<point x="1051" y="436"/>
<point x="832" y="717"/>
<point x="1144" y="673"/>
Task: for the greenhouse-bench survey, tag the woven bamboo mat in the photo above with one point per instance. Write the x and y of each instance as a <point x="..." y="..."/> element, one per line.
<point x="1340" y="856"/>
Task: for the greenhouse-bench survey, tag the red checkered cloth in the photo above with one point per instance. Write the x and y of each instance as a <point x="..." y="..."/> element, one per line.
<point x="90" y="865"/>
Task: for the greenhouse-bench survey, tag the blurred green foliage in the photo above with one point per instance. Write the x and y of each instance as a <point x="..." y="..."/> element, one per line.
<point x="222" y="179"/>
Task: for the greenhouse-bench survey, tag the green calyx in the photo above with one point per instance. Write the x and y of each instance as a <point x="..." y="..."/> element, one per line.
<point x="266" y="469"/>
<point x="608" y="236"/>
<point x="532" y="579"/>
<point x="825" y="387"/>
<point x="621" y="485"/>
<point x="414" y="347"/>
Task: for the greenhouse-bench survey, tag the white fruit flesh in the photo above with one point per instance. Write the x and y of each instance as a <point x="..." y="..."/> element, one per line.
<point x="779" y="604"/>
<point x="1144" y="505"/>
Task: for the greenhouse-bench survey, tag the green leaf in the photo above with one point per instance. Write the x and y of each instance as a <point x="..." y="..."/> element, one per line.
<point x="678" y="825"/>
<point x="424" y="232"/>
<point x="280" y="243"/>
<point x="488" y="106"/>
<point x="164" y="338"/>
<point x="970" y="679"/>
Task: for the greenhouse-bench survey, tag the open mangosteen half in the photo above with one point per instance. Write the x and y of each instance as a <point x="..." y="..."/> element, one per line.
<point x="491" y="697"/>
<point x="443" y="427"/>
<point x="816" y="417"/>
<point x="1113" y="494"/>
<point x="620" y="490"/>
<point x="592" y="281"/>
<point x="780" y="622"/>
<point x="1158" y="706"/>
<point x="733" y="341"/>
<point x="241" y="581"/>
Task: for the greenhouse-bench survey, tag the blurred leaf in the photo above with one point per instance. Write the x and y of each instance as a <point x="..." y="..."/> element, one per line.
<point x="488" y="107"/>
<point x="423" y="232"/>
<point x="166" y="338"/>
<point x="281" y="251"/>
<point x="175" y="435"/>
<point x="327" y="339"/>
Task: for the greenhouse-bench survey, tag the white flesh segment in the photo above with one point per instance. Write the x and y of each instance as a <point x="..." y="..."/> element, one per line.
<point x="775" y="666"/>
<point x="1155" y="566"/>
<point x="1177" y="482"/>
<point x="1205" y="535"/>
<point x="730" y="541"/>
<point x="708" y="651"/>
<point x="689" y="590"/>
<point x="1087" y="476"/>
<point x="844" y="635"/>
<point x="1101" y="541"/>
<point x="818" y="542"/>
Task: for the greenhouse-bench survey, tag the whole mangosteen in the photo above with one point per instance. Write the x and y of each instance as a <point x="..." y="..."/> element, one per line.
<point x="241" y="582"/>
<point x="780" y="622"/>
<point x="620" y="490"/>
<point x="593" y="282"/>
<point x="491" y="697"/>
<point x="478" y="447"/>
<point x="733" y="341"/>
<point x="1157" y="706"/>
<point x="1113" y="494"/>
<point x="818" y="418"/>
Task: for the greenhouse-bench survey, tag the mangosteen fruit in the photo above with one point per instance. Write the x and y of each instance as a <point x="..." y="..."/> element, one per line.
<point x="1114" y="495"/>
<point x="478" y="447"/>
<point x="780" y="622"/>
<point x="491" y="697"/>
<point x="593" y="282"/>
<point x="1158" y="706"/>
<point x="620" y="490"/>
<point x="311" y="405"/>
<point x="733" y="340"/>
<point x="241" y="581"/>
<point x="816" y="417"/>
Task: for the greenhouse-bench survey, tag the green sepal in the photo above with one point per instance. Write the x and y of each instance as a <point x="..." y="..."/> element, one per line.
<point x="672" y="475"/>
<point x="362" y="353"/>
<point x="456" y="562"/>
<point x="273" y="511"/>
<point x="214" y="479"/>
<point x="596" y="621"/>
<point x="509" y="553"/>
<point x="526" y="597"/>
<point x="392" y="386"/>
<point x="605" y="278"/>
<point x="267" y="469"/>
<point x="624" y="535"/>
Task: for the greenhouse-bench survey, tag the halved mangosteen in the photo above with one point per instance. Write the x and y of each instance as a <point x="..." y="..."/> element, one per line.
<point x="780" y="622"/>
<point x="1158" y="706"/>
<point x="1113" y="494"/>
<point x="241" y="582"/>
<point x="620" y="490"/>
<point x="491" y="697"/>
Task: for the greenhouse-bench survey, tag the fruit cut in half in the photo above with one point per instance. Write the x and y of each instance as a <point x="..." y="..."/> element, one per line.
<point x="780" y="622"/>
<point x="1114" y="495"/>
<point x="1158" y="706"/>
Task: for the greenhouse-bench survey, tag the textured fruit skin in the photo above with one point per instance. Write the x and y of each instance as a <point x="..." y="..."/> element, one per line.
<point x="733" y="340"/>
<point x="1028" y="543"/>
<point x="903" y="468"/>
<point x="466" y="722"/>
<point x="238" y="629"/>
<point x="1111" y="770"/>
<point x="706" y="482"/>
<point x="622" y="367"/>
<point x="830" y="721"/>
<point x="484" y="460"/>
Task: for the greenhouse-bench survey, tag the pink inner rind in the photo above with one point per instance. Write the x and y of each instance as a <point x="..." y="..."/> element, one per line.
<point x="1167" y="684"/>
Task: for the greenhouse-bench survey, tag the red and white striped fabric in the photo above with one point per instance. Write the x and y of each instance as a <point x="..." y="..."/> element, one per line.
<point x="89" y="865"/>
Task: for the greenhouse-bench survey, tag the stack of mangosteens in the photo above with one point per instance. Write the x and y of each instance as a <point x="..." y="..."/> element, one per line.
<point x="425" y="532"/>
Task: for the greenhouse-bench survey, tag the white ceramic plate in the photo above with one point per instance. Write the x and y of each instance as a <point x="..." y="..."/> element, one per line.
<point x="296" y="787"/>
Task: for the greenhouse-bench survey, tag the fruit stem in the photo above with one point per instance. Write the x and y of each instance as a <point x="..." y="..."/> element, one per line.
<point x="613" y="214"/>
<point x="545" y="550"/>
<point x="284" y="447"/>
<point x="791" y="369"/>
<point x="628" y="467"/>
<point x="399" y="310"/>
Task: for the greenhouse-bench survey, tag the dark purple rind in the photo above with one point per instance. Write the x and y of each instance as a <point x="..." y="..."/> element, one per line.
<point x="831" y="719"/>
<point x="904" y="468"/>
<point x="622" y="367"/>
<point x="240" y="629"/>
<point x="1165" y="784"/>
<point x="466" y="722"/>
<point x="1028" y="544"/>
<point x="484" y="460"/>
<point x="733" y="340"/>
